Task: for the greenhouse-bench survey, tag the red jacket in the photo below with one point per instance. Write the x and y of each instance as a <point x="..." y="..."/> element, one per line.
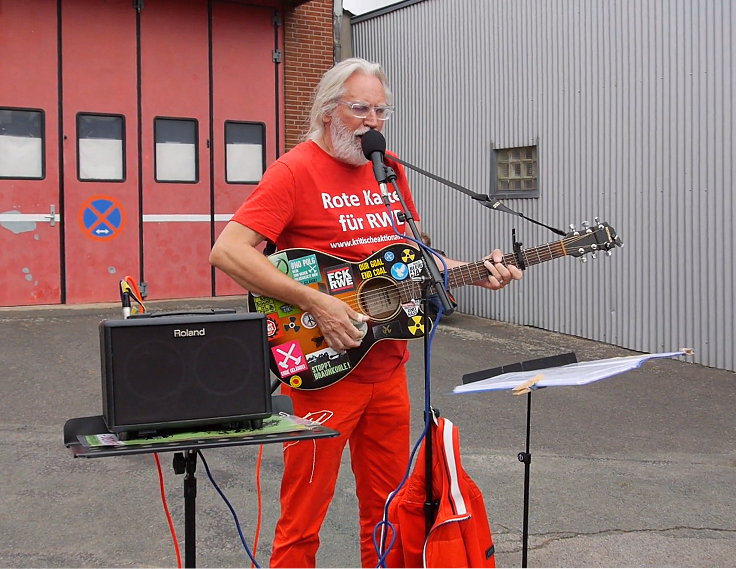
<point x="460" y="535"/>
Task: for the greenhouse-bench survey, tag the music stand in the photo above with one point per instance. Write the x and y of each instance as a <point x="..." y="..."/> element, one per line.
<point x="521" y="382"/>
<point x="185" y="457"/>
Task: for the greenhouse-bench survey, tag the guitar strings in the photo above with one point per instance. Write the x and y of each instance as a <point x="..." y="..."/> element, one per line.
<point x="376" y="296"/>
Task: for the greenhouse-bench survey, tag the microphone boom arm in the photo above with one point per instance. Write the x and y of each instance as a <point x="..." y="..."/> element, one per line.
<point x="482" y="199"/>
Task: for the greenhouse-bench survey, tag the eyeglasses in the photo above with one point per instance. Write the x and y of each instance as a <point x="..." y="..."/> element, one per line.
<point x="361" y="110"/>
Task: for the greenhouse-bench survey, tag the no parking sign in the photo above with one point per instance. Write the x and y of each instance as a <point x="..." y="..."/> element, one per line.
<point x="101" y="218"/>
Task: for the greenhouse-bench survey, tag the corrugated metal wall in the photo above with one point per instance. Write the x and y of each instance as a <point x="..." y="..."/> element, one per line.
<point x="631" y="105"/>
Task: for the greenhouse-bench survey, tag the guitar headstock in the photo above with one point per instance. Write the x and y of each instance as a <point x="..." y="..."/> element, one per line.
<point x="599" y="237"/>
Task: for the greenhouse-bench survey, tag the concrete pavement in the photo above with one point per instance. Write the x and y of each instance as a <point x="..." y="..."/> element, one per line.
<point x="634" y="471"/>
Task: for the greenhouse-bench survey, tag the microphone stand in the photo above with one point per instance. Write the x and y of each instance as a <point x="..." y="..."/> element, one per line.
<point x="525" y="456"/>
<point x="436" y="281"/>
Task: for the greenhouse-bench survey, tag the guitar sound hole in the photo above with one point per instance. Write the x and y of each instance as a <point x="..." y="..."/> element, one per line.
<point x="379" y="298"/>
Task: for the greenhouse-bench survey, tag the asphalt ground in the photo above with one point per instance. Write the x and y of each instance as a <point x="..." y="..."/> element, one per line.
<point x="638" y="470"/>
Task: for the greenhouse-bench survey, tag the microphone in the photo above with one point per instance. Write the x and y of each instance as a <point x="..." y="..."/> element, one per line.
<point x="374" y="147"/>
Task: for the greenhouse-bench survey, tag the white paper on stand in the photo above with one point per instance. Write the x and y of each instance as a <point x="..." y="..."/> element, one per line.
<point x="572" y="374"/>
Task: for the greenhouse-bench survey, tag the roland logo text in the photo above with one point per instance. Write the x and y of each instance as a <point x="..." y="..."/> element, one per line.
<point x="185" y="333"/>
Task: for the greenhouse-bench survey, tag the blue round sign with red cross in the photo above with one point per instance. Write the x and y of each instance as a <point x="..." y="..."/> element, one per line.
<point x="101" y="217"/>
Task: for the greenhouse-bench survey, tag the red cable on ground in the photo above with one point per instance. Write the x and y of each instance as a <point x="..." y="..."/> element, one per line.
<point x="166" y="510"/>
<point x="258" y="494"/>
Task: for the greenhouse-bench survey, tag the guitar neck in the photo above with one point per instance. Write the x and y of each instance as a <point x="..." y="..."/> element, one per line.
<point x="474" y="272"/>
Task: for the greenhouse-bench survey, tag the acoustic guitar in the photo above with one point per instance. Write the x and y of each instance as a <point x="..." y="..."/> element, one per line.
<point x="388" y="288"/>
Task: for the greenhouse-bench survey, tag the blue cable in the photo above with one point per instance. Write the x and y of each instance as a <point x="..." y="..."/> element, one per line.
<point x="385" y="523"/>
<point x="232" y="511"/>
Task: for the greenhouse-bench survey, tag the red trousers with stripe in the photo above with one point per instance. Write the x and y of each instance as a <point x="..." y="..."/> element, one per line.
<point x="374" y="419"/>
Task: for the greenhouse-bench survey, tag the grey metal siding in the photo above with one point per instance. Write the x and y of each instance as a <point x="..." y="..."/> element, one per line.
<point x="630" y="103"/>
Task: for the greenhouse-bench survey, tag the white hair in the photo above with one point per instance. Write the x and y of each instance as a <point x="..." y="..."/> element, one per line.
<point x="332" y="86"/>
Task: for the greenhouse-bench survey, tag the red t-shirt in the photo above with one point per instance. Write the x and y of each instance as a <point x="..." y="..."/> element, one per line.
<point x="308" y="199"/>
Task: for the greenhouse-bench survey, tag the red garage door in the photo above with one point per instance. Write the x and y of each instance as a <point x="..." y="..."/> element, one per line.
<point x="176" y="150"/>
<point x="129" y="134"/>
<point x="244" y="110"/>
<point x="29" y="156"/>
<point x="209" y="129"/>
<point x="100" y="147"/>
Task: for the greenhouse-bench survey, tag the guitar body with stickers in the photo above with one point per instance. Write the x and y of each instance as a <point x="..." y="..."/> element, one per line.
<point x="388" y="288"/>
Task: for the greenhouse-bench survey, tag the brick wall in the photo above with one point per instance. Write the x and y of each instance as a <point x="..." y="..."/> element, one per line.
<point x="308" y="53"/>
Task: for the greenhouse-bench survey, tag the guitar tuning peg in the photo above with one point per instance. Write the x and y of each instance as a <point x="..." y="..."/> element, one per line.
<point x="583" y="259"/>
<point x="585" y="225"/>
<point x="594" y="255"/>
<point x="609" y="253"/>
<point x="596" y="221"/>
<point x="572" y="228"/>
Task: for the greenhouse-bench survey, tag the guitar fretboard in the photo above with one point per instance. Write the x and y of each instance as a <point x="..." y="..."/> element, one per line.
<point x="474" y="272"/>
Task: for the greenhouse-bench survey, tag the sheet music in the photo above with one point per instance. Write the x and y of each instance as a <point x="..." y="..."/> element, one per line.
<point x="579" y="373"/>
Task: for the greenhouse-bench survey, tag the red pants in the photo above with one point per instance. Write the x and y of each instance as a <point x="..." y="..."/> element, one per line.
<point x="374" y="419"/>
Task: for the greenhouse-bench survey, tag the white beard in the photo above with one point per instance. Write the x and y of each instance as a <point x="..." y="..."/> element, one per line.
<point x="346" y="145"/>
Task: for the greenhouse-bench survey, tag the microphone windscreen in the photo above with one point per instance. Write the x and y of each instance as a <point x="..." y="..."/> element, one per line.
<point x="372" y="141"/>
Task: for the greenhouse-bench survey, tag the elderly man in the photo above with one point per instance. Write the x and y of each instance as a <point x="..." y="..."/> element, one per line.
<point x="322" y="195"/>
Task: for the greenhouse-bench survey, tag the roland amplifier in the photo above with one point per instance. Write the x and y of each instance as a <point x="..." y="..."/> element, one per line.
<point x="180" y="371"/>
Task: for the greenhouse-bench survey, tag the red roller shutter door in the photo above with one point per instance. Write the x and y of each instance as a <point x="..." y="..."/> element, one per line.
<point x="101" y="171"/>
<point x="29" y="170"/>
<point x="176" y="171"/>
<point x="244" y="98"/>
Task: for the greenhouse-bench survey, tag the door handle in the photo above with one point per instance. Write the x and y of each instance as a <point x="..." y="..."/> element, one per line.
<point x="52" y="215"/>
